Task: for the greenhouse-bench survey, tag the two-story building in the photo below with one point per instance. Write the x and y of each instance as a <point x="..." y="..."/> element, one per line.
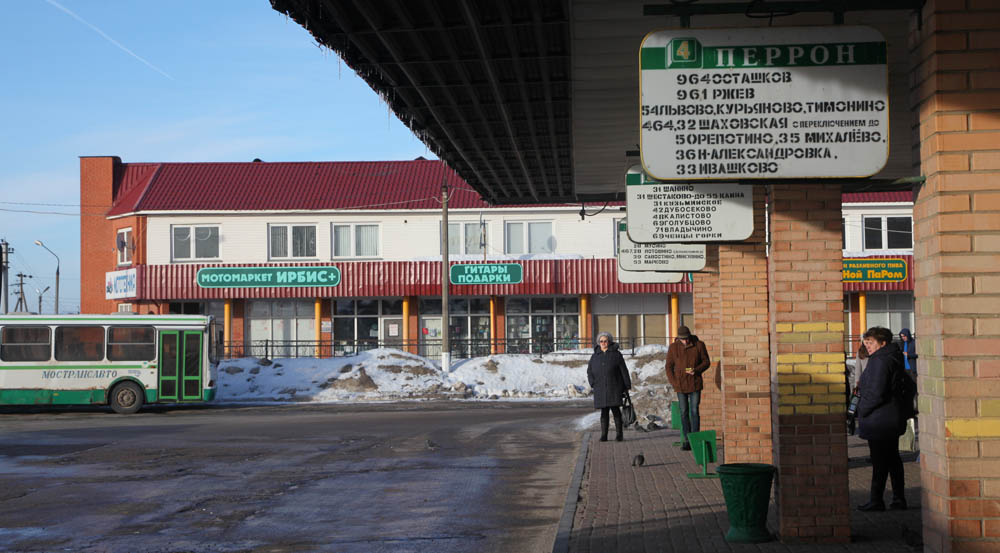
<point x="223" y="239"/>
<point x="153" y="227"/>
<point x="878" y="227"/>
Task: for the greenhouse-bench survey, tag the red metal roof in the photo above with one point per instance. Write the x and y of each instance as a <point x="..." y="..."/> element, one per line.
<point x="404" y="278"/>
<point x="906" y="285"/>
<point x="877" y="197"/>
<point x="306" y="186"/>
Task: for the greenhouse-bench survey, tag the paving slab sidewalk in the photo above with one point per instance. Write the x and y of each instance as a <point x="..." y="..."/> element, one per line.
<point x="621" y="508"/>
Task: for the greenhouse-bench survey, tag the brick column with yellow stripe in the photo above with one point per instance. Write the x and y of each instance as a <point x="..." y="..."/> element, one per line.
<point x="956" y="91"/>
<point x="808" y="379"/>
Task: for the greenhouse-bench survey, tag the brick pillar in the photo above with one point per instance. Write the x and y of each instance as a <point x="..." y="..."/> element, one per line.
<point x="745" y="344"/>
<point x="705" y="295"/>
<point x="956" y="90"/>
<point x="810" y="436"/>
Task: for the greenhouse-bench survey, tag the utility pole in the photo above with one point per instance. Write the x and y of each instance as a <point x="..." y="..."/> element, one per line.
<point x="445" y="277"/>
<point x="22" y="302"/>
<point x="4" y="279"/>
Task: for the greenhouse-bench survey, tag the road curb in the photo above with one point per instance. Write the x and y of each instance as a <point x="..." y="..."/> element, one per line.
<point x="561" y="543"/>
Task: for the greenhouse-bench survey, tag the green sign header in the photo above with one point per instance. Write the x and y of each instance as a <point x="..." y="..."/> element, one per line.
<point x="267" y="277"/>
<point x="874" y="270"/>
<point x="487" y="273"/>
<point x="689" y="53"/>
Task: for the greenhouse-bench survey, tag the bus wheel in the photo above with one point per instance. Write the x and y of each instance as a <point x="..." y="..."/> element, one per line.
<point x="126" y="398"/>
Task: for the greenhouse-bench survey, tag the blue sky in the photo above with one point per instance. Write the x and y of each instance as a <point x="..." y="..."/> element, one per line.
<point x="185" y="80"/>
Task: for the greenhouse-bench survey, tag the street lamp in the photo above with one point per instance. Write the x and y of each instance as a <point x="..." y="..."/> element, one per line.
<point x="40" y="292"/>
<point x="39" y="243"/>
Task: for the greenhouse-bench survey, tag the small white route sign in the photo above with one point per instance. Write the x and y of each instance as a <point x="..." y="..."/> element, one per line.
<point x="648" y="277"/>
<point x="658" y="257"/>
<point x="790" y="102"/>
<point x="680" y="212"/>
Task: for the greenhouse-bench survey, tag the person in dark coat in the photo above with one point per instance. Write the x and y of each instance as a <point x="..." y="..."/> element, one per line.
<point x="687" y="359"/>
<point x="882" y="421"/>
<point x="909" y="347"/>
<point x="609" y="378"/>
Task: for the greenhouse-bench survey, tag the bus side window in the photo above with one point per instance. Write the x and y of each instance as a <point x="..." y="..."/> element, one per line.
<point x="131" y="343"/>
<point x="79" y="343"/>
<point x="25" y="343"/>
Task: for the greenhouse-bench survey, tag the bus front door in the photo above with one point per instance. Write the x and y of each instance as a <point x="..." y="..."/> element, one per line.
<point x="180" y="365"/>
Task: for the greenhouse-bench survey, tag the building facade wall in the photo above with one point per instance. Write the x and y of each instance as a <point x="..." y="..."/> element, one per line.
<point x="403" y="236"/>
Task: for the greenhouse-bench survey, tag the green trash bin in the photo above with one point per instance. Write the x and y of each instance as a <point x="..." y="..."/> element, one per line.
<point x="747" y="489"/>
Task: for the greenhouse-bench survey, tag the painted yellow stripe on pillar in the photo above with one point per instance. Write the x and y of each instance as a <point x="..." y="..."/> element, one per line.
<point x="675" y="315"/>
<point x="863" y="311"/>
<point x="318" y="309"/>
<point x="972" y="428"/>
<point x="227" y="325"/>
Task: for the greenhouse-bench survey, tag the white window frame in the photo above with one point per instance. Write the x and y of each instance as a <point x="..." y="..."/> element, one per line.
<point x="191" y="230"/>
<point x="353" y="240"/>
<point x="125" y="253"/>
<point x="527" y="235"/>
<point x="885" y="231"/>
<point x="290" y="237"/>
<point x="462" y="236"/>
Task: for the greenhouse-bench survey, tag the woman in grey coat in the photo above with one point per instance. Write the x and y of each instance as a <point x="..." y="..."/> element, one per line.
<point x="608" y="377"/>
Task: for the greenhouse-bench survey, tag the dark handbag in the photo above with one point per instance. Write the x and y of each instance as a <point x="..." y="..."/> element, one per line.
<point x="852" y="411"/>
<point x="628" y="411"/>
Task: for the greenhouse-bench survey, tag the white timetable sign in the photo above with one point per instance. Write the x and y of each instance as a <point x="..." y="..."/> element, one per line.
<point x="718" y="104"/>
<point x="658" y="257"/>
<point x="681" y="212"/>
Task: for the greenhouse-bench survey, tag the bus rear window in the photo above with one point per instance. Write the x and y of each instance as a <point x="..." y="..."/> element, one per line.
<point x="79" y="343"/>
<point x="131" y="343"/>
<point x="25" y="343"/>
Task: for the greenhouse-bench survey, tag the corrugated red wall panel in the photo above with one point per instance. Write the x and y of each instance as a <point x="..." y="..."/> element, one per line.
<point x="404" y="278"/>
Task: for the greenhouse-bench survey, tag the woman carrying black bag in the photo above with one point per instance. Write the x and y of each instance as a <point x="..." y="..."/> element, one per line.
<point x="608" y="377"/>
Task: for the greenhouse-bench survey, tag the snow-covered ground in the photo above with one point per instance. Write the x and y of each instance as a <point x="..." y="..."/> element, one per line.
<point x="391" y="375"/>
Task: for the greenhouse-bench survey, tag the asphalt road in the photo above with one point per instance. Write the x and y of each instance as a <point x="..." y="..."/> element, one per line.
<point x="410" y="477"/>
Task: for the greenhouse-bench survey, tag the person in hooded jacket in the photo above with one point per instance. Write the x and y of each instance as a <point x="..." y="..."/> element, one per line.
<point x="882" y="421"/>
<point x="687" y="358"/>
<point x="909" y="347"/>
<point x="608" y="377"/>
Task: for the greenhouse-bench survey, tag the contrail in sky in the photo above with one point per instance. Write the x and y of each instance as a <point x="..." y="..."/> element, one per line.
<point x="109" y="39"/>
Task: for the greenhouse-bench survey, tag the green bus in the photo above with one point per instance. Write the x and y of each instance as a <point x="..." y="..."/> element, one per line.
<point x="124" y="361"/>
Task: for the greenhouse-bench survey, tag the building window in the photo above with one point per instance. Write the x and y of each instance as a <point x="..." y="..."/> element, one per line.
<point x="123" y="244"/>
<point x="361" y="324"/>
<point x="892" y="233"/>
<point x="620" y="225"/>
<point x="528" y="237"/>
<point x="282" y="328"/>
<point x="291" y="241"/>
<point x="890" y="310"/>
<point x="195" y="242"/>
<point x="542" y="324"/>
<point x="353" y="240"/>
<point x="465" y="238"/>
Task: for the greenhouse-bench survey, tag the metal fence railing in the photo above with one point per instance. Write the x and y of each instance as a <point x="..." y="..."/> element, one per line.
<point x="459" y="348"/>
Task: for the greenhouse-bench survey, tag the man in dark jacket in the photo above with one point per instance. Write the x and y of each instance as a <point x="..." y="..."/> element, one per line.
<point x="687" y="358"/>
<point x="882" y="421"/>
<point x="609" y="378"/>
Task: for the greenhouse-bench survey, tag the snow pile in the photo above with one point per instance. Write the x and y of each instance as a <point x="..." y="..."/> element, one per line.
<point x="390" y="374"/>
